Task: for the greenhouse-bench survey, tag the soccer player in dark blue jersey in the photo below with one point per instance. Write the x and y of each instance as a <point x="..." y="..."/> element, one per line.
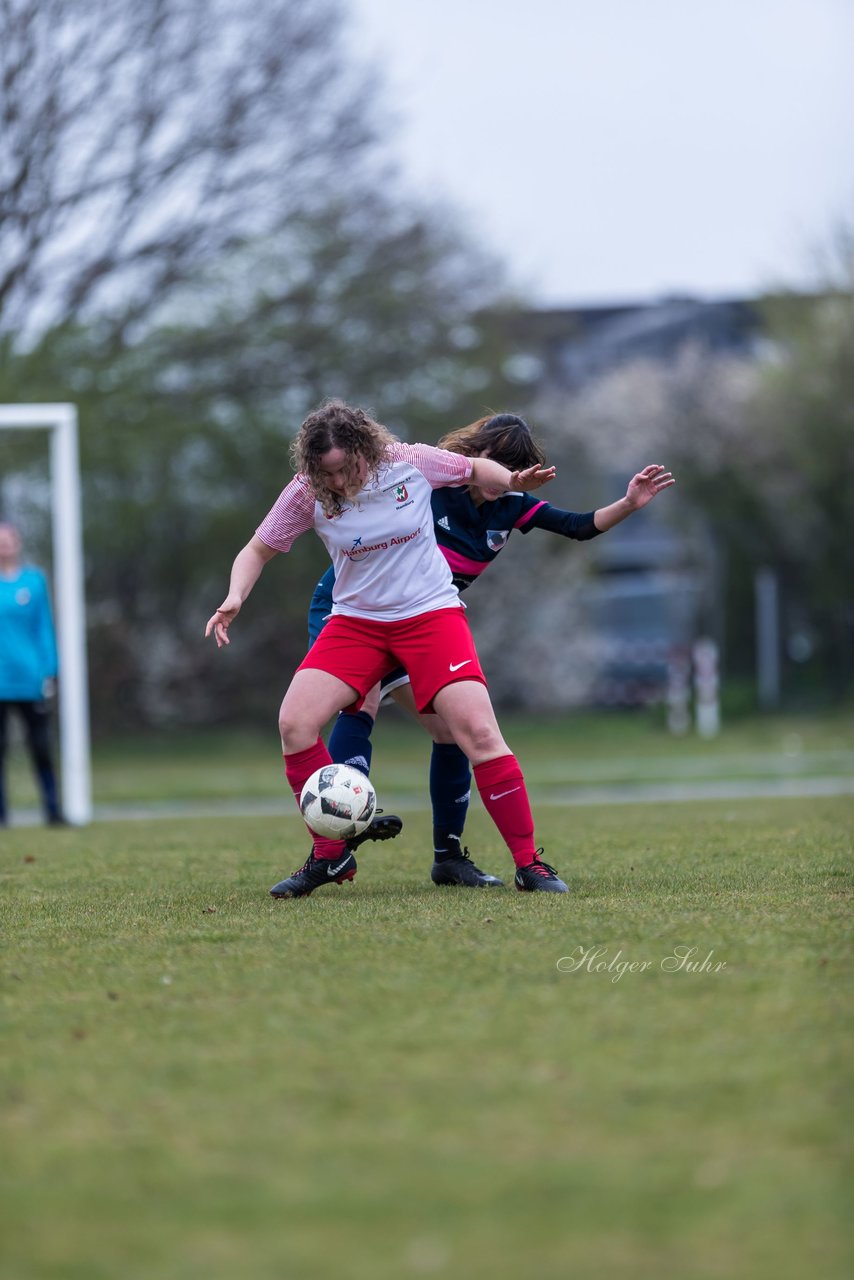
<point x="472" y="527"/>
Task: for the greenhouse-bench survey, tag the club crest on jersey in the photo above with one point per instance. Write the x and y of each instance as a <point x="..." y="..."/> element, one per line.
<point x="497" y="538"/>
<point x="401" y="493"/>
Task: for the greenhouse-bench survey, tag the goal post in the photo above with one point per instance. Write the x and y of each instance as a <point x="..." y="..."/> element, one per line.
<point x="60" y="420"/>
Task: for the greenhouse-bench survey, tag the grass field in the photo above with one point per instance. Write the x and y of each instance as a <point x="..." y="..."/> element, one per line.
<point x="389" y="1080"/>
<point x="577" y="750"/>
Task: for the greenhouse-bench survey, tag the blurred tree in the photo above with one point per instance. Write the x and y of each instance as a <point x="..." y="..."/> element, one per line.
<point x="200" y="242"/>
<point x="185" y="436"/>
<point x="763" y="449"/>
<point x="765" y="457"/>
<point x="805" y="410"/>
<point x="142" y="139"/>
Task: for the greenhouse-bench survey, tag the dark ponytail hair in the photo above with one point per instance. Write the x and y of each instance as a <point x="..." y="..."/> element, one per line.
<point x="504" y="437"/>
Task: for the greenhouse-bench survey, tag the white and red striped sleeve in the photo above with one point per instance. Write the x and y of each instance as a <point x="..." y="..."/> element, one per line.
<point x="290" y="515"/>
<point x="439" y="467"/>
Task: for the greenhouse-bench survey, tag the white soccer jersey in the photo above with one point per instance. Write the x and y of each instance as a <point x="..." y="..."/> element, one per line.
<point x="387" y="563"/>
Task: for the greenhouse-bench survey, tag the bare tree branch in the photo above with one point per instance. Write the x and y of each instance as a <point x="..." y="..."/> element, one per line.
<point x="142" y="137"/>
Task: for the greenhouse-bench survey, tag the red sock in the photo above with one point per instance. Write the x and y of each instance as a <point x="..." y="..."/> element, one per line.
<point x="298" y="769"/>
<point x="505" y="797"/>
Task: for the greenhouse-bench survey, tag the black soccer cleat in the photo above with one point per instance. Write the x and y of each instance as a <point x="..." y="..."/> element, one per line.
<point x="459" y="869"/>
<point x="385" y="826"/>
<point x="314" y="873"/>
<point x="539" y="877"/>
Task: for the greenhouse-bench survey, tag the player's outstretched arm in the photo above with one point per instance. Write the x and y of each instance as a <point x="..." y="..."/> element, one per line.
<point x="489" y="474"/>
<point x="245" y="572"/>
<point x="642" y="488"/>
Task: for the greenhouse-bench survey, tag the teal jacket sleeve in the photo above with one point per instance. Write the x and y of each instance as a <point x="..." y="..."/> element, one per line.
<point x="45" y="633"/>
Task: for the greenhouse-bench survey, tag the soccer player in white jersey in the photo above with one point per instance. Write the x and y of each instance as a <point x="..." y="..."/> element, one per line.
<point x="472" y="527"/>
<point x="367" y="496"/>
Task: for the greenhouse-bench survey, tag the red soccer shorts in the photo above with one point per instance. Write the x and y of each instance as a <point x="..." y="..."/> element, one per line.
<point x="437" y="648"/>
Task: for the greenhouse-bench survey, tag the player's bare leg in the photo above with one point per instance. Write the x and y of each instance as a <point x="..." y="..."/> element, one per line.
<point x="311" y="700"/>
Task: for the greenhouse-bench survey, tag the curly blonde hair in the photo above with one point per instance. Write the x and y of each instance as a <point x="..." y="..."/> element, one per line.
<point x="336" y="425"/>
<point x="503" y="437"/>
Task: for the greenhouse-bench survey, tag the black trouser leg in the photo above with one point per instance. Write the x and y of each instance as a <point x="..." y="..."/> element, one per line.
<point x="36" y="716"/>
<point x="3" y="710"/>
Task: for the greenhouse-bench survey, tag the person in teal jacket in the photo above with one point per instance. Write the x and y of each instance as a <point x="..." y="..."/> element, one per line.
<point x="28" y="666"/>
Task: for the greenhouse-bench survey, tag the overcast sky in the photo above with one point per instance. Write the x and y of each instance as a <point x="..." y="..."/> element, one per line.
<point x="625" y="149"/>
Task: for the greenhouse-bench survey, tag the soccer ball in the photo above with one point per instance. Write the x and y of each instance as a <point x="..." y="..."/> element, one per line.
<point x="338" y="802"/>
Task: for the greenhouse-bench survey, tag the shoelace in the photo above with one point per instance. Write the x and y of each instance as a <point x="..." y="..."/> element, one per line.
<point x="305" y="866"/>
<point x="540" y="868"/>
<point x="465" y="854"/>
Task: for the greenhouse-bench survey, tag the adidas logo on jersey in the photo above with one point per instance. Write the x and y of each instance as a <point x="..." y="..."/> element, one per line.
<point x="443" y="524"/>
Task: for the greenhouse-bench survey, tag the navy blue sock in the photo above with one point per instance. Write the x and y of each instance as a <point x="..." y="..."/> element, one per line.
<point x="350" y="740"/>
<point x="450" y="789"/>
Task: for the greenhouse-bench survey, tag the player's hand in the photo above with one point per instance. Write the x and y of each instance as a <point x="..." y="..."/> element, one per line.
<point x="647" y="483"/>
<point x="532" y="477"/>
<point x="222" y="620"/>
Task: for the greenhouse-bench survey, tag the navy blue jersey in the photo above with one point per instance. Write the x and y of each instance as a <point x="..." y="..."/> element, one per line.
<point x="471" y="536"/>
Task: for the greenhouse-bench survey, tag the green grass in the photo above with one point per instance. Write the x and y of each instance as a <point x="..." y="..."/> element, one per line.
<point x="570" y="750"/>
<point x="388" y="1080"/>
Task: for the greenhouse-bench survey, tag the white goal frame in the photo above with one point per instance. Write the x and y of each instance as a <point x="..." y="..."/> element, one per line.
<point x="75" y="757"/>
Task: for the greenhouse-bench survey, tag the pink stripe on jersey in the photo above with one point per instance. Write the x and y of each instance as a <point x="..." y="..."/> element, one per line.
<point x="291" y="514"/>
<point x="293" y="511"/>
<point x="462" y="564"/>
<point x="438" y="466"/>
<point x="523" y="520"/>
